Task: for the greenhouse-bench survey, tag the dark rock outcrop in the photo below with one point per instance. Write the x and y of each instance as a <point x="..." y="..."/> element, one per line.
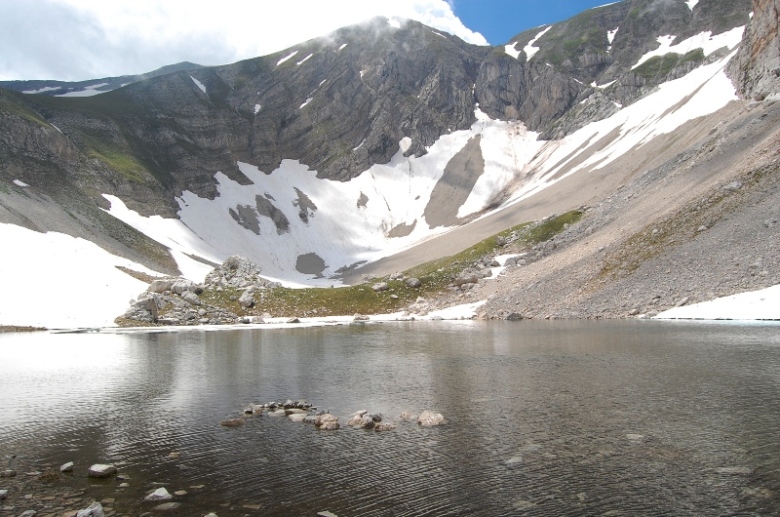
<point x="756" y="68"/>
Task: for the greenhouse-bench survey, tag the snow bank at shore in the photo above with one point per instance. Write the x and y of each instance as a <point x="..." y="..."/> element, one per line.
<point x="755" y="305"/>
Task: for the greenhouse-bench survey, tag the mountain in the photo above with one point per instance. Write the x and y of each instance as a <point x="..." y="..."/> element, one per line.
<point x="389" y="144"/>
<point x="90" y="87"/>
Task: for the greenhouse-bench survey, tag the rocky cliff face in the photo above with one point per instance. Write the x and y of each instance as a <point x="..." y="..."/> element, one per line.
<point x="343" y="103"/>
<point x="756" y="69"/>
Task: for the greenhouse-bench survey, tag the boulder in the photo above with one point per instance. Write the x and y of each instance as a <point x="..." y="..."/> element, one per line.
<point x="407" y="416"/>
<point x="66" y="467"/>
<point x="430" y="419"/>
<point x="247" y="299"/>
<point x="161" y="494"/>
<point x="297" y="417"/>
<point x="413" y="283"/>
<point x="384" y="426"/>
<point x="160" y="286"/>
<point x="101" y="470"/>
<point x="182" y="285"/>
<point x="232" y="422"/>
<point x="3" y="494"/>
<point x="380" y="286"/>
<point x="28" y="513"/>
<point x="93" y="510"/>
<point x="190" y="297"/>
<point x="361" y="317"/>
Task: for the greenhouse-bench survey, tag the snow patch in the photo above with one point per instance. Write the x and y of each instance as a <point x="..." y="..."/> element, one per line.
<point x="42" y="90"/>
<point x="287" y="57"/>
<point x="511" y="50"/>
<point x="88" y="91"/>
<point x="342" y="46"/>
<point x="602" y="86"/>
<point x="258" y="107"/>
<point x="20" y="183"/>
<point x="704" y="40"/>
<point x="394" y="22"/>
<point x="199" y="85"/>
<point x="754" y="305"/>
<point x="302" y="61"/>
<point x="405" y="144"/>
<point x="691" y="4"/>
<point x="59" y="281"/>
<point x="611" y="35"/>
<point x="306" y="102"/>
<point x="530" y="50"/>
<point x="174" y="234"/>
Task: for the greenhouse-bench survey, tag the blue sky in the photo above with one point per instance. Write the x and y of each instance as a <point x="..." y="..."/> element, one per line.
<point x="500" y="20"/>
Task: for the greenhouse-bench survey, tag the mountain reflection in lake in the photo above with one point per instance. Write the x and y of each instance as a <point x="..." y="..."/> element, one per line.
<point x="544" y="418"/>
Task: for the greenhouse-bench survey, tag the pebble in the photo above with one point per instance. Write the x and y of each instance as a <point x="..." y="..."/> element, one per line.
<point x="180" y="493"/>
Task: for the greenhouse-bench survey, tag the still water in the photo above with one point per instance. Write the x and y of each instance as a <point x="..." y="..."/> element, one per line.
<point x="544" y="418"/>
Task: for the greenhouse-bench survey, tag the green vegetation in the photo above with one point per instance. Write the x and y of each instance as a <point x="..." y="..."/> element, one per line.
<point x="118" y="160"/>
<point x="13" y="106"/>
<point x="435" y="277"/>
<point x="661" y="66"/>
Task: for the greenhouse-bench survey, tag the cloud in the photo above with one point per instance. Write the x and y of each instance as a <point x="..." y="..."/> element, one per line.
<point x="85" y="39"/>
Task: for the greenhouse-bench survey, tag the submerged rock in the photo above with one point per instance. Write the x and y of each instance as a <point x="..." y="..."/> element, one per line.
<point x="430" y="419"/>
<point x="232" y="422"/>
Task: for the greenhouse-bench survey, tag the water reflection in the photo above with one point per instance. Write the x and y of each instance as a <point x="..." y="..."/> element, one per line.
<point x="545" y="418"/>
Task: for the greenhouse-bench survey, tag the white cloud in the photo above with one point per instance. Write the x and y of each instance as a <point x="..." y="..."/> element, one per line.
<point x="84" y="39"/>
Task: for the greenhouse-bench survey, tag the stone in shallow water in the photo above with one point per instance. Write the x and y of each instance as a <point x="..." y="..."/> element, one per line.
<point x="93" y="510"/>
<point x="430" y="419"/>
<point x="67" y="467"/>
<point x="635" y="437"/>
<point x="3" y="494"/>
<point x="326" y="514"/>
<point x="101" y="470"/>
<point x="166" y="507"/>
<point x="515" y="460"/>
<point x="161" y="494"/>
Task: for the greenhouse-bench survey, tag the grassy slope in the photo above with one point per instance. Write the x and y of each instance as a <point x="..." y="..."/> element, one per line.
<point x="435" y="277"/>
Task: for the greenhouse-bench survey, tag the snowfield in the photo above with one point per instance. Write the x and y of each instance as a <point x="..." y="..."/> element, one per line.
<point x="58" y="281"/>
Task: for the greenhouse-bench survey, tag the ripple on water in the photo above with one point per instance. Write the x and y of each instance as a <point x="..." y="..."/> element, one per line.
<point x="543" y="419"/>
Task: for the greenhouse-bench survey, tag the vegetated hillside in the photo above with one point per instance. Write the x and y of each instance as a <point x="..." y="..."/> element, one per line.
<point x="319" y="160"/>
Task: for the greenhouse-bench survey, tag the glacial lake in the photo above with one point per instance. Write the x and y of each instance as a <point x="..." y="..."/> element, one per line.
<point x="543" y="418"/>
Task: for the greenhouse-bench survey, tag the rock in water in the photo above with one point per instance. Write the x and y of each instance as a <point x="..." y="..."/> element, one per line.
<point x="93" y="510"/>
<point x="165" y="507"/>
<point x="327" y="422"/>
<point x="161" y="494"/>
<point x="101" y="470"/>
<point x="67" y="467"/>
<point x="233" y="422"/>
<point x="430" y="419"/>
